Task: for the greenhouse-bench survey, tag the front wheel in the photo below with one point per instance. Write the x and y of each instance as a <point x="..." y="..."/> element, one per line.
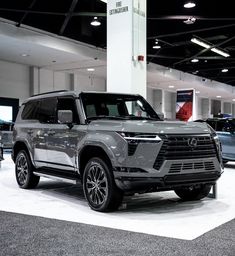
<point x="196" y="192"/>
<point x="24" y="171"/>
<point x="99" y="186"/>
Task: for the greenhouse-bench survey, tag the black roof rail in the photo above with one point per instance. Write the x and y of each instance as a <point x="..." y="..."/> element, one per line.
<point x="49" y="93"/>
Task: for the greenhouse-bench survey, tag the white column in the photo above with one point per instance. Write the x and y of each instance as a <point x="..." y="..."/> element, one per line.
<point x="126" y="46"/>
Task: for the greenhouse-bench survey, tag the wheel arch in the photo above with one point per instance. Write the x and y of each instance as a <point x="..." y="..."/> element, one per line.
<point x="90" y="151"/>
<point x="18" y="146"/>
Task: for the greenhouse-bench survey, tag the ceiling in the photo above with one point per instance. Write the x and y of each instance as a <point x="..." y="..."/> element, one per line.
<point x="215" y="25"/>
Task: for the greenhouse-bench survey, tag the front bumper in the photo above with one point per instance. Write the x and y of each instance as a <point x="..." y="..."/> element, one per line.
<point x="135" y="183"/>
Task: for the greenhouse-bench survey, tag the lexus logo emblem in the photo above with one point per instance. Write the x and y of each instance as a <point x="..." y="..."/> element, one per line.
<point x="192" y="142"/>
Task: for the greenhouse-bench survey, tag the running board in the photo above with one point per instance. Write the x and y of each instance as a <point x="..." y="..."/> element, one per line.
<point x="64" y="179"/>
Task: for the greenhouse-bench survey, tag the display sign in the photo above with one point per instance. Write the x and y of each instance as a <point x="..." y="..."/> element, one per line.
<point x="184" y="105"/>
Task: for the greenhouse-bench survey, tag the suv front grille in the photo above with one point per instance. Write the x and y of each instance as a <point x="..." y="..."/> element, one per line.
<point x="176" y="147"/>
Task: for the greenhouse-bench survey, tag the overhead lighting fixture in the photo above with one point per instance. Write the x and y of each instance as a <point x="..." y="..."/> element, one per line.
<point x="25" y="55"/>
<point x="220" y="52"/>
<point x="189" y="4"/>
<point x="105" y="1"/>
<point x="95" y="22"/>
<point x="218" y="96"/>
<point x="156" y="46"/>
<point x="190" y="21"/>
<point x="207" y="46"/>
<point x="224" y="70"/>
<point x="90" y="69"/>
<point x="197" y="92"/>
<point x="233" y="99"/>
<point x="171" y="86"/>
<point x="195" y="60"/>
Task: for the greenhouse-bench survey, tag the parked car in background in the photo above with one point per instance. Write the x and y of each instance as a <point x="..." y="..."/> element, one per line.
<point x="225" y="129"/>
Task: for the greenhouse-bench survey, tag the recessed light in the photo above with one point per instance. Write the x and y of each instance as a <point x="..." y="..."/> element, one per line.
<point x="194" y="60"/>
<point x="190" y="21"/>
<point x="233" y="99"/>
<point x="90" y="69"/>
<point x="95" y="22"/>
<point x="156" y="46"/>
<point x="189" y="4"/>
<point x="224" y="70"/>
<point x="171" y="86"/>
<point x="197" y="92"/>
<point x="218" y="96"/>
<point x="25" y="55"/>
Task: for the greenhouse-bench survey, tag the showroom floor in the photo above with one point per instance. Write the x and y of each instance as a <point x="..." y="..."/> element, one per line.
<point x="158" y="220"/>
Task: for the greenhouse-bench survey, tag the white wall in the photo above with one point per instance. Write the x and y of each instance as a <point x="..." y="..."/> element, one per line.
<point x="14" y="80"/>
<point x="169" y="105"/>
<point x="89" y="83"/>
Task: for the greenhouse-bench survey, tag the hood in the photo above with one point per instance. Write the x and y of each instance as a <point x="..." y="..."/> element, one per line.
<point x="145" y="126"/>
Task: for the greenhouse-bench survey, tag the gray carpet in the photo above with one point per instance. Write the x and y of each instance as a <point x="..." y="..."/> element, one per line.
<point x="30" y="235"/>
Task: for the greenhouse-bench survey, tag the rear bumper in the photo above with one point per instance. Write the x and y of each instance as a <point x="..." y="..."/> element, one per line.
<point x="168" y="182"/>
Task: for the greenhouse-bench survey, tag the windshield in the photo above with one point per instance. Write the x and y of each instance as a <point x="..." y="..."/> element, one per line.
<point x="116" y="106"/>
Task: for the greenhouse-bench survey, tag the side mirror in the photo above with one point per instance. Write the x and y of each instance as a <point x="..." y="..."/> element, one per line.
<point x="65" y="117"/>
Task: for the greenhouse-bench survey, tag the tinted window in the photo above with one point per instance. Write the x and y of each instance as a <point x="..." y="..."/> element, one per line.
<point x="68" y="104"/>
<point x="47" y="110"/>
<point x="30" y="111"/>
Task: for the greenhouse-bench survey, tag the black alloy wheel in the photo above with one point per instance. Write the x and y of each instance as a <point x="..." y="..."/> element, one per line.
<point x="99" y="186"/>
<point x="24" y="171"/>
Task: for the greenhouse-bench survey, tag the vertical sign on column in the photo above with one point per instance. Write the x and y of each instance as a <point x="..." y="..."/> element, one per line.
<point x="185" y="102"/>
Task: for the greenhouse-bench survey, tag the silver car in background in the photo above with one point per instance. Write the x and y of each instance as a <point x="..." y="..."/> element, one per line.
<point x="225" y="129"/>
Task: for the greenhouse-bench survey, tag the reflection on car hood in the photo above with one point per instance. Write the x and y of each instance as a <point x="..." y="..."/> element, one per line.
<point x="146" y="126"/>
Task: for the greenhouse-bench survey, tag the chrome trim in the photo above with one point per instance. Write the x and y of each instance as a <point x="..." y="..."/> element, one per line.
<point x="156" y="138"/>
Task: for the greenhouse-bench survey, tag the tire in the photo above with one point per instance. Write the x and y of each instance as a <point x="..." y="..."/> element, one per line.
<point x="225" y="162"/>
<point x="194" y="192"/>
<point x="99" y="186"/>
<point x="24" y="171"/>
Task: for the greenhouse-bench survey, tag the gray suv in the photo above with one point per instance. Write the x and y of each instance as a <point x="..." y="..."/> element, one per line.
<point x="115" y="144"/>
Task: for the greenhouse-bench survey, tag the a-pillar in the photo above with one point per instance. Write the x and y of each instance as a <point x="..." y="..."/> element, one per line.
<point x="126" y="46"/>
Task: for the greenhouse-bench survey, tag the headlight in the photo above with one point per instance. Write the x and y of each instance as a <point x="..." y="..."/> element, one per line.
<point x="131" y="136"/>
<point x="217" y="142"/>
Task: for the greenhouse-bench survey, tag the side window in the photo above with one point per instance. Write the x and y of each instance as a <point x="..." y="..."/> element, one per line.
<point x="47" y="110"/>
<point x="69" y="104"/>
<point x="30" y="111"/>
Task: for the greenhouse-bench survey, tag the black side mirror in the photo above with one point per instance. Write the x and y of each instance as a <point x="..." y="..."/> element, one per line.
<point x="65" y="117"/>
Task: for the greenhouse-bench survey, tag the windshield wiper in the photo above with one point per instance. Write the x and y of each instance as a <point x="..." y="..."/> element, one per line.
<point x="144" y="118"/>
<point x="90" y="118"/>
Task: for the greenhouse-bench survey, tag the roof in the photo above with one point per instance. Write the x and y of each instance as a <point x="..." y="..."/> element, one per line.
<point x="166" y="22"/>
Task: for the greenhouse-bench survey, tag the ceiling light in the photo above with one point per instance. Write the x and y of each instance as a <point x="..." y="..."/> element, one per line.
<point x="189" y="4"/>
<point x="199" y="42"/>
<point x="220" y="52"/>
<point x="156" y="46"/>
<point x="197" y="92"/>
<point x="190" y="21"/>
<point x="25" y="55"/>
<point x="233" y="99"/>
<point x="95" y="22"/>
<point x="171" y="86"/>
<point x="194" y="60"/>
<point x="105" y="1"/>
<point x="224" y="70"/>
<point x="90" y="69"/>
<point x="218" y="96"/>
<point x="207" y="46"/>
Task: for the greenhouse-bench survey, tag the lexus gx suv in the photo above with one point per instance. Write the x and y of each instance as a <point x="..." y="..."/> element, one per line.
<point x="115" y="144"/>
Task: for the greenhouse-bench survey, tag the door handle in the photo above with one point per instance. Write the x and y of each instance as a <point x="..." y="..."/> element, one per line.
<point x="51" y="133"/>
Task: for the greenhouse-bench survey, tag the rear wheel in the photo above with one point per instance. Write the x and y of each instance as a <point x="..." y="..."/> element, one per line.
<point x="193" y="192"/>
<point x="24" y="171"/>
<point x="99" y="186"/>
